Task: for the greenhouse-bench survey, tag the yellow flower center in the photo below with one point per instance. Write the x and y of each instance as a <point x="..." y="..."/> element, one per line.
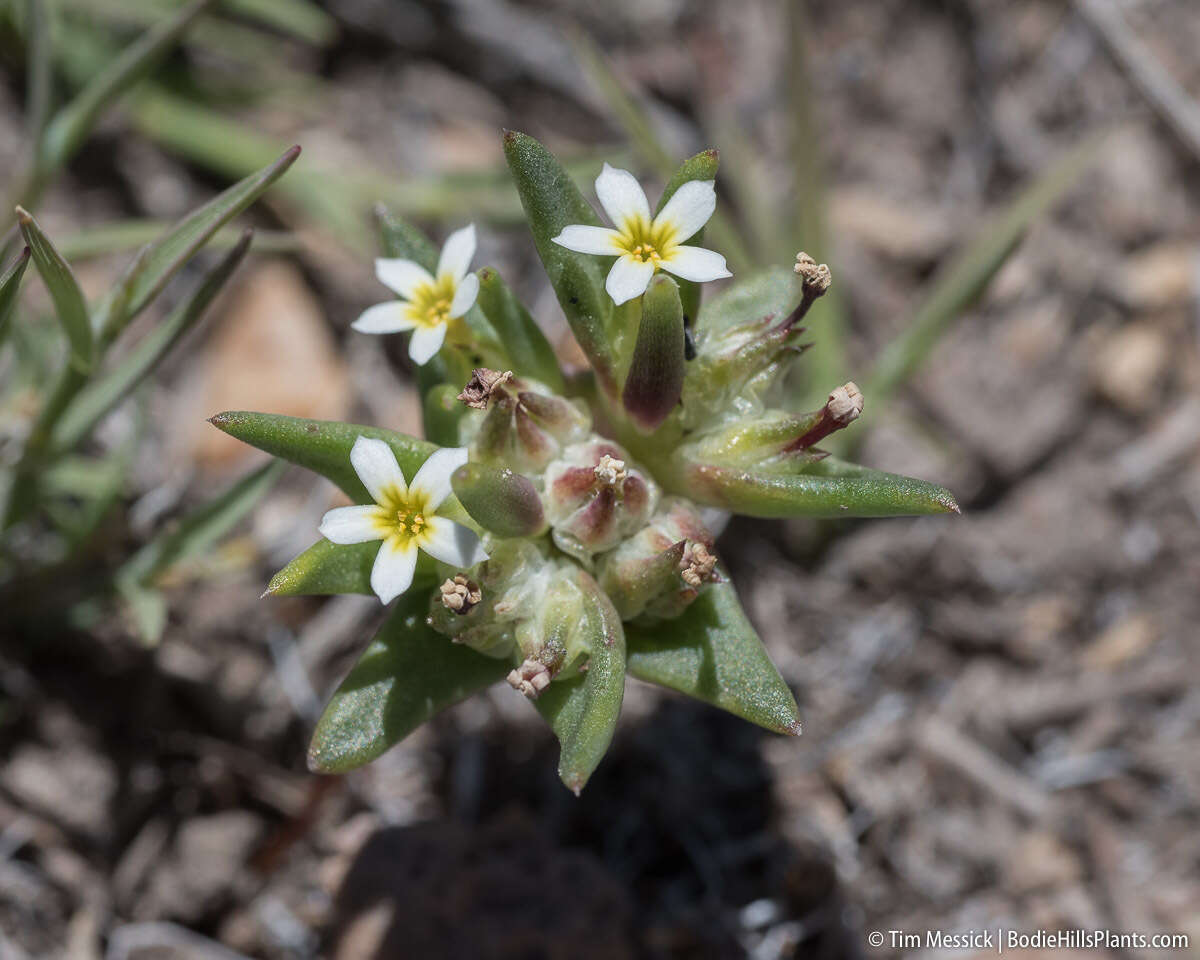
<point x="404" y="516"/>
<point x="647" y="242"/>
<point x="430" y="304"/>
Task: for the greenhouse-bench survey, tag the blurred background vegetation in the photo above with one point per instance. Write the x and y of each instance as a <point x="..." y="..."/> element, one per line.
<point x="998" y="714"/>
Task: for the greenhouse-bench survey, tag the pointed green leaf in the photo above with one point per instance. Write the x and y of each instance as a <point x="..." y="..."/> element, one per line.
<point x="74" y="122"/>
<point x="327" y="568"/>
<point x="69" y="304"/>
<point x="10" y="286"/>
<point x="199" y="530"/>
<point x="655" y="380"/>
<point x="712" y="652"/>
<point x="827" y="488"/>
<point x="703" y="166"/>
<point x="322" y="446"/>
<point x="583" y="711"/>
<point x="101" y="395"/>
<point x="408" y="674"/>
<point x="552" y="202"/>
<point x="159" y="261"/>
<point x="528" y="349"/>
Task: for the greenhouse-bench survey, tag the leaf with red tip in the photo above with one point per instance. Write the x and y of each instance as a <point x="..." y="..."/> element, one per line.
<point x="655" y="380"/>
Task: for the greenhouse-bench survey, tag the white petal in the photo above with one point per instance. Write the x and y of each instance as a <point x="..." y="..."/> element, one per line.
<point x="451" y="543"/>
<point x="377" y="468"/>
<point x="603" y="241"/>
<point x="351" y="524"/>
<point x="426" y="341"/>
<point x="433" y="479"/>
<point x="621" y="196"/>
<point x="392" y="573"/>
<point x="390" y="317"/>
<point x="464" y="295"/>
<point x="628" y="278"/>
<point x="403" y="276"/>
<point x="696" y="263"/>
<point x="457" y="253"/>
<point x="688" y="209"/>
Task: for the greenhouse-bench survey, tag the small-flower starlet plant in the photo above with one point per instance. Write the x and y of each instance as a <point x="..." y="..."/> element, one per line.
<point x="643" y="244"/>
<point x="404" y="516"/>
<point x="566" y="524"/>
<point x="430" y="302"/>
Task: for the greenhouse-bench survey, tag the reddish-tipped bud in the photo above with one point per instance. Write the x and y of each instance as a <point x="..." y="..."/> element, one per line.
<point x="655" y="380"/>
<point x="658" y="572"/>
<point x="502" y="502"/>
<point x="525" y="426"/>
<point x="595" y="498"/>
<point x="844" y="406"/>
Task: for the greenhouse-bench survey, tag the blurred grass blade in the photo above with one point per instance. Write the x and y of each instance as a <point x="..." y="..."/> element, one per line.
<point x="38" y="74"/>
<point x="126" y="235"/>
<point x="300" y="18"/>
<point x="101" y="395"/>
<point x="69" y="305"/>
<point x="713" y="653"/>
<point x="74" y="122"/>
<point x="826" y="364"/>
<point x="10" y="286"/>
<point x="147" y="608"/>
<point x="962" y="280"/>
<point x="200" y="529"/>
<point x="408" y="674"/>
<point x="630" y="116"/>
<point x="702" y="166"/>
<point x="160" y="260"/>
<point x="527" y="347"/>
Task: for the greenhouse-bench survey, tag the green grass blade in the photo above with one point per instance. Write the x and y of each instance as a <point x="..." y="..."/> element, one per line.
<point x="963" y="279"/>
<point x="199" y="530"/>
<point x="37" y="72"/>
<point x="126" y="235"/>
<point x="69" y="304"/>
<point x="101" y="395"/>
<point x="303" y="20"/>
<point x="74" y="122"/>
<point x="10" y="286"/>
<point x="159" y="261"/>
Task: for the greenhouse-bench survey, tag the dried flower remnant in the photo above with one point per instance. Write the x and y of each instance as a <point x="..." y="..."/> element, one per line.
<point x="482" y="384"/>
<point x="460" y="595"/>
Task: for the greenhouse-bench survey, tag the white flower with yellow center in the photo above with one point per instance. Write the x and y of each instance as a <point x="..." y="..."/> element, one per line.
<point x="403" y="516"/>
<point x="645" y="245"/>
<point x="428" y="303"/>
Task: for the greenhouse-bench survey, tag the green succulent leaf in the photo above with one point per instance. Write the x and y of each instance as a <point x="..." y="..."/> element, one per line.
<point x="408" y="674"/>
<point x="827" y="488"/>
<point x="73" y="123"/>
<point x="552" y="202"/>
<point x="160" y="260"/>
<point x="69" y="303"/>
<point x="655" y="380"/>
<point x="528" y="349"/>
<point x="499" y="500"/>
<point x="583" y="711"/>
<point x="322" y="446"/>
<point x="328" y="568"/>
<point x="712" y="652"/>
<point x="774" y="292"/>
<point x="102" y="394"/>
<point x="10" y="286"/>
<point x="703" y="166"/>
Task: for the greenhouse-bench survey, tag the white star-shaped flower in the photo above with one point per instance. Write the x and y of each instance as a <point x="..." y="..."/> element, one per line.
<point x="428" y="303"/>
<point x="403" y="516"/>
<point x="643" y="245"/>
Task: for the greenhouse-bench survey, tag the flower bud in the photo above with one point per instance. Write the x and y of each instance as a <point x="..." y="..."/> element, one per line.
<point x="595" y="498"/>
<point x="659" y="571"/>
<point x="502" y="502"/>
<point x="525" y="425"/>
<point x="655" y="380"/>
